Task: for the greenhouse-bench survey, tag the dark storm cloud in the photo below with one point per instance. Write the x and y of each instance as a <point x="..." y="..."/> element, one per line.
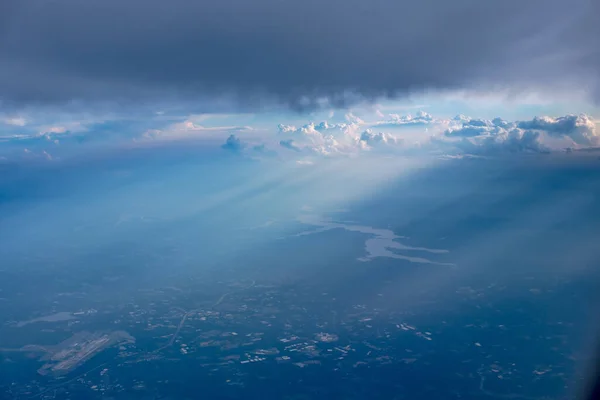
<point x="294" y="50"/>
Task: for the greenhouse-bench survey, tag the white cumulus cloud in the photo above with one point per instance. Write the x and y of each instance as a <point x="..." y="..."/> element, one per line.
<point x="373" y="139"/>
<point x="397" y="120"/>
<point x="579" y="128"/>
<point x="498" y="135"/>
<point x="322" y="138"/>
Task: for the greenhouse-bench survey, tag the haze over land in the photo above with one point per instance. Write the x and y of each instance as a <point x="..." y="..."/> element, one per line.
<point x="298" y="199"/>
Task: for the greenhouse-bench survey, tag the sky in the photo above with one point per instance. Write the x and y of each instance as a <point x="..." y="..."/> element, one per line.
<point x="298" y="80"/>
<point x="121" y="121"/>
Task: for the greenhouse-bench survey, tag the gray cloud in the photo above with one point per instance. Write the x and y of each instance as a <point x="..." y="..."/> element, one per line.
<point x="469" y="131"/>
<point x="297" y="51"/>
<point x="289" y="144"/>
<point x="233" y="143"/>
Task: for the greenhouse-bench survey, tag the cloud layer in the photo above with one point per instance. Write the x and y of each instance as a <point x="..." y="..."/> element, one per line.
<point x="396" y="120"/>
<point x="297" y="51"/>
<point x="581" y="129"/>
<point x="485" y="136"/>
<point x="460" y="135"/>
<point x="429" y="135"/>
<point x="323" y="138"/>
